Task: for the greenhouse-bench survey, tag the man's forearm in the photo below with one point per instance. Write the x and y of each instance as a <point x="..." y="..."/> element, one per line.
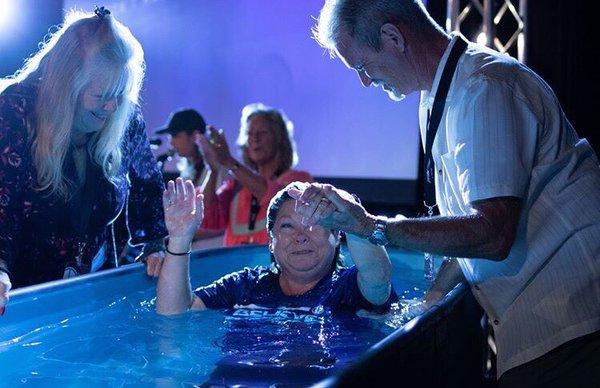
<point x="488" y="231"/>
<point x="460" y="236"/>
<point x="448" y="276"/>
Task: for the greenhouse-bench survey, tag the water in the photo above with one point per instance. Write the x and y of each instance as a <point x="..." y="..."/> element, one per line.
<point x="118" y="340"/>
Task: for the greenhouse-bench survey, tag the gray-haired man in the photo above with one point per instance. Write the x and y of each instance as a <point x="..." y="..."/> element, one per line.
<point x="518" y="191"/>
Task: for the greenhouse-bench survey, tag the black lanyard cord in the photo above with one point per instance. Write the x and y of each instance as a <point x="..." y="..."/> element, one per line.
<point x="433" y="120"/>
<point x="254" y="209"/>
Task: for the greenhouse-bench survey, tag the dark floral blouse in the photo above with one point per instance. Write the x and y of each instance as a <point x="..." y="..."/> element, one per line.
<point x="43" y="237"/>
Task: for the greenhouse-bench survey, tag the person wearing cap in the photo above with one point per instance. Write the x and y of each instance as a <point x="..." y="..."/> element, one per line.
<point x="183" y="126"/>
<point x="268" y="152"/>
<point x="75" y="154"/>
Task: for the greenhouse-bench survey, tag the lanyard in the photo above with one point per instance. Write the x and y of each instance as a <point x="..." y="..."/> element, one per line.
<point x="433" y="120"/>
<point x="254" y="209"/>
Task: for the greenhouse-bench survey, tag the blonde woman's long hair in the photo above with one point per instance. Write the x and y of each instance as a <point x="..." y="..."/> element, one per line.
<point x="83" y="47"/>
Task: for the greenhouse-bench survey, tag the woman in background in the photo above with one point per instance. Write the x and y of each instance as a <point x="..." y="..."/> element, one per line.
<point x="268" y="154"/>
<point x="73" y="153"/>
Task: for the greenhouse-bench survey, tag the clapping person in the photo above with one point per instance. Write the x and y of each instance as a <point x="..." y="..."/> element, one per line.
<point x="268" y="156"/>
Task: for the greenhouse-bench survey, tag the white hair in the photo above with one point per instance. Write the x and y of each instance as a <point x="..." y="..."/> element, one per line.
<point x="362" y="20"/>
<point x="83" y="47"/>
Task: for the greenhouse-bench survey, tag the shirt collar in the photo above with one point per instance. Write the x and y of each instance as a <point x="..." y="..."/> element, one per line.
<point x="429" y="96"/>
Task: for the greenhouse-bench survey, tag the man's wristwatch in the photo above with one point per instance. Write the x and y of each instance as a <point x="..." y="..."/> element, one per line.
<point x="378" y="236"/>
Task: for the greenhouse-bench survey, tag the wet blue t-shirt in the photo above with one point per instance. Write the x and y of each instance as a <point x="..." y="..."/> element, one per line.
<point x="259" y="286"/>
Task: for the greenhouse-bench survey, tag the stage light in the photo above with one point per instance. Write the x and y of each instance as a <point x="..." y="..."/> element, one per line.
<point x="482" y="39"/>
<point x="6" y="13"/>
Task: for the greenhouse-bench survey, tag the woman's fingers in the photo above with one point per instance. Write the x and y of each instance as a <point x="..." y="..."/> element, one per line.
<point x="318" y="202"/>
<point x="335" y="196"/>
<point x="165" y="199"/>
<point x="214" y="134"/>
<point x="295" y="193"/>
<point x="189" y="190"/>
<point x="159" y="263"/>
<point x="199" y="198"/>
<point x="169" y="195"/>
<point x="199" y="206"/>
<point x="171" y="192"/>
<point x="311" y="193"/>
<point x="220" y="141"/>
<point x="180" y="190"/>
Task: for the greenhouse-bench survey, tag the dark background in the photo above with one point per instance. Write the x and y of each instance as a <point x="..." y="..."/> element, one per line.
<point x="563" y="50"/>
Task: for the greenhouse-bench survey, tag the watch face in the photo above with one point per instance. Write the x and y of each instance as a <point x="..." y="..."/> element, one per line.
<point x="378" y="237"/>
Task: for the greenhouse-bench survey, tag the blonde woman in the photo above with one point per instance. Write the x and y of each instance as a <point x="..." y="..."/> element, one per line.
<point x="240" y="204"/>
<point x="74" y="153"/>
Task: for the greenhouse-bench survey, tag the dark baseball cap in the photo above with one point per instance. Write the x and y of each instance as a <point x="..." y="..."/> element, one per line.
<point x="188" y="120"/>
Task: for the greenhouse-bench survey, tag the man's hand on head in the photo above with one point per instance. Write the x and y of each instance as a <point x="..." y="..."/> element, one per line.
<point x="331" y="208"/>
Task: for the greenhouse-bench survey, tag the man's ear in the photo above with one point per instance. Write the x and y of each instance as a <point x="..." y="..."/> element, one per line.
<point x="390" y="34"/>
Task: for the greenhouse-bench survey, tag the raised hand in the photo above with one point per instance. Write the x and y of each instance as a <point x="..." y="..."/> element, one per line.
<point x="331" y="208"/>
<point x="220" y="147"/>
<point x="184" y="209"/>
<point x="208" y="150"/>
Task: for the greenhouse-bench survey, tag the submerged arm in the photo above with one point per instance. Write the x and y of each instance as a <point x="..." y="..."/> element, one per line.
<point x="446" y="279"/>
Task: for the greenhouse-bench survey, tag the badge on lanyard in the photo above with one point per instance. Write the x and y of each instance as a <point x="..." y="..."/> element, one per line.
<point x="429" y="258"/>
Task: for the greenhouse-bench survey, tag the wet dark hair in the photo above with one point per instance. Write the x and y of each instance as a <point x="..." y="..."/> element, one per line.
<point x="276" y="202"/>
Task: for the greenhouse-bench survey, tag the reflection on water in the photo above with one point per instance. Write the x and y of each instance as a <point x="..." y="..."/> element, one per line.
<point x="126" y="343"/>
<point x="116" y="338"/>
<point x="263" y="346"/>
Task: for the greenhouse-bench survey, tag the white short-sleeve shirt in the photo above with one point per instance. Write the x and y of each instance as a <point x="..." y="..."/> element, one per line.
<point x="503" y="133"/>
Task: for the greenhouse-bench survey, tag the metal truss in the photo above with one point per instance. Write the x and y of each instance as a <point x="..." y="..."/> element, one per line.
<point x="486" y="18"/>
